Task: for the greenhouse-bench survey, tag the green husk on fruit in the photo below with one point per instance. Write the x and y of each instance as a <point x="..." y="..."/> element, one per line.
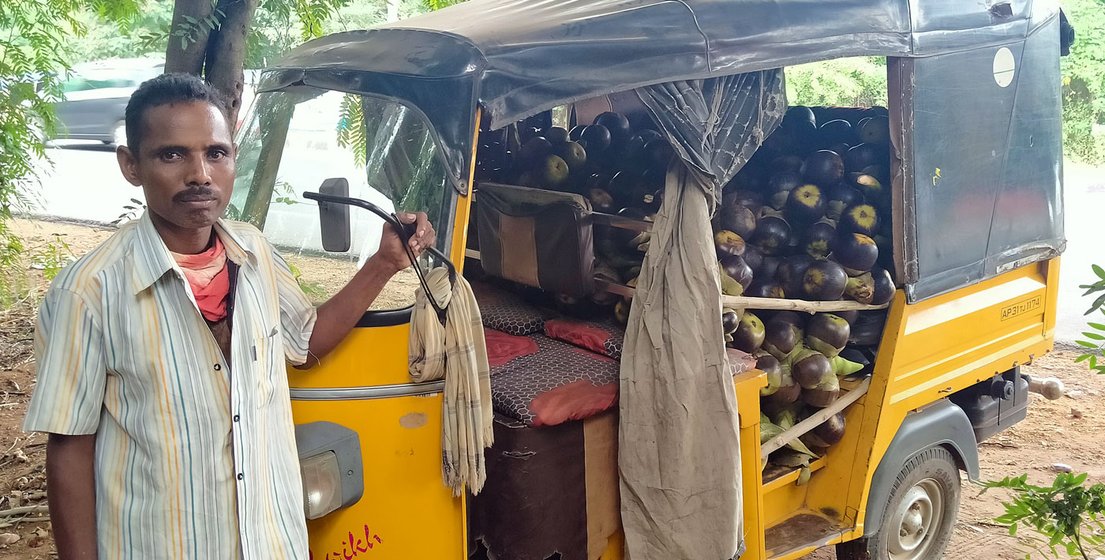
<point x="795" y="460"/>
<point x="843" y="367"/>
<point x="824" y="393"/>
<point x="861" y="288"/>
<point x="786" y="419"/>
<point x="729" y="286"/>
<point x="827" y="333"/>
<point x="768" y="430"/>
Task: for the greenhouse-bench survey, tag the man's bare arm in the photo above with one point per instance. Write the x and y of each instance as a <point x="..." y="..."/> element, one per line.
<point x="340" y="313"/>
<point x="71" y="492"/>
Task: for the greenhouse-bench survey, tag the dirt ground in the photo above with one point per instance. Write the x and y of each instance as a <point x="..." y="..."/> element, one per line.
<point x="1064" y="432"/>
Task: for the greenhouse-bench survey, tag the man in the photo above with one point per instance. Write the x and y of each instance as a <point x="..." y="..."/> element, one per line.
<point x="161" y="357"/>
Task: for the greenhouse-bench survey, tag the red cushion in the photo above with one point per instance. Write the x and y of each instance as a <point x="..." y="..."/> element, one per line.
<point x="503" y="347"/>
<point x="604" y="338"/>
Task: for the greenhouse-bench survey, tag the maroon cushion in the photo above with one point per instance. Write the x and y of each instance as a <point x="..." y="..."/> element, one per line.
<point x="605" y="337"/>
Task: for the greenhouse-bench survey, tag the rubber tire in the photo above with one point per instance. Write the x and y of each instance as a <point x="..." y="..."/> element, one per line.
<point x="936" y="463"/>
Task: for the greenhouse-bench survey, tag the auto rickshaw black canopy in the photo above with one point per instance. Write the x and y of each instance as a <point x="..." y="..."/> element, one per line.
<point x="516" y="58"/>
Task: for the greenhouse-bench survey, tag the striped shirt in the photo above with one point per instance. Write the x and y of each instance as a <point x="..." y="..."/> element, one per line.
<point x="194" y="459"/>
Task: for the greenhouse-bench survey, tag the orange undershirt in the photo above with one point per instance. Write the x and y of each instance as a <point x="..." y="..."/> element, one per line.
<point x="209" y="279"/>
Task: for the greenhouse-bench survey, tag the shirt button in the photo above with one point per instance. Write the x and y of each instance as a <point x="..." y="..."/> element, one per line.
<point x="236" y="418"/>
<point x="241" y="476"/>
<point x="218" y="367"/>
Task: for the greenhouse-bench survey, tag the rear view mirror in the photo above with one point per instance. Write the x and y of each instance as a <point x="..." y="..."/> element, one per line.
<point x="334" y="218"/>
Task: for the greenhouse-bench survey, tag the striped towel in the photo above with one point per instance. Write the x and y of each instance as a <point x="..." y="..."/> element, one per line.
<point x="456" y="352"/>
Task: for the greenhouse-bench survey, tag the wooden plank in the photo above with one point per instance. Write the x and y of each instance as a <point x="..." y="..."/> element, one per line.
<point x="779" y="304"/>
<point x="612" y="288"/>
<point x="816" y="419"/>
<point x="734" y="302"/>
<point x="621" y="222"/>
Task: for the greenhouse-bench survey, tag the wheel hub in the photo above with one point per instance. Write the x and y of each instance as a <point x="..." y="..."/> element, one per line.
<point x="916" y="517"/>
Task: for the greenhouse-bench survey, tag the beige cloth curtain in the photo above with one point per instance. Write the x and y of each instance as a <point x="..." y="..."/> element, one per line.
<point x="679" y="454"/>
<point x="456" y="352"/>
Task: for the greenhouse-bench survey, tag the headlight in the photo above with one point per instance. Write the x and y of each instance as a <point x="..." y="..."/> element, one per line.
<point x="330" y="463"/>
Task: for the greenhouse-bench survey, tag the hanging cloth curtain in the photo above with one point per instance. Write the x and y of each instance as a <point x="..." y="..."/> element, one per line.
<point x="680" y="463"/>
<point x="457" y="352"/>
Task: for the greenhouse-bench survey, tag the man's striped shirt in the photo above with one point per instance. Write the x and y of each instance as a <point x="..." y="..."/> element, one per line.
<point x="194" y="459"/>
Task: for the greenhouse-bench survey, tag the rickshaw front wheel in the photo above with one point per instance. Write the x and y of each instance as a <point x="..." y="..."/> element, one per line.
<point x="920" y="512"/>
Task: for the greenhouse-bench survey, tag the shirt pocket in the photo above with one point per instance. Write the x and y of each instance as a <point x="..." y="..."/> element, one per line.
<point x="268" y="356"/>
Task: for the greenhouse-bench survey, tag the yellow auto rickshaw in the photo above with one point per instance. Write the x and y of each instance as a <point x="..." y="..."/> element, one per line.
<point x="629" y="190"/>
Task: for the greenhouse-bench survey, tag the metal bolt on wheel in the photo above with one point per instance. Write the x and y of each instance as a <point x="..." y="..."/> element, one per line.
<point x="920" y="511"/>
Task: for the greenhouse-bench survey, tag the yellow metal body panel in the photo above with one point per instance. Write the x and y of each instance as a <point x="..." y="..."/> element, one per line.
<point x="405" y="503"/>
<point x="929" y="351"/>
<point x="400" y="449"/>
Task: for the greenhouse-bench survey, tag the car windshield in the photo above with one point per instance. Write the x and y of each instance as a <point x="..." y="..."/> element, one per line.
<point x="295" y="139"/>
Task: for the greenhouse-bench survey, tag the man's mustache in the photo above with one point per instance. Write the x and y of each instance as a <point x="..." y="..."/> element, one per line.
<point x="192" y="195"/>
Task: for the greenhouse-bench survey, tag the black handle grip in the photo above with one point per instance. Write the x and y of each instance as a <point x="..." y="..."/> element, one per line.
<point x="405" y="231"/>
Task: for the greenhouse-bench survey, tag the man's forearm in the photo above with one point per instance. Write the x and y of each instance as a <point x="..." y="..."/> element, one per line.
<point x="71" y="493"/>
<point x="340" y="313"/>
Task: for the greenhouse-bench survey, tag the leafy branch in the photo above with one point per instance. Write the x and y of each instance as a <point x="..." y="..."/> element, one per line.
<point x="1094" y="339"/>
<point x="1067" y="514"/>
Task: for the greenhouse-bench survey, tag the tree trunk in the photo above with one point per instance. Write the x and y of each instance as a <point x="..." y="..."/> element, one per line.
<point x="226" y="53"/>
<point x="393" y="11"/>
<point x="189" y="56"/>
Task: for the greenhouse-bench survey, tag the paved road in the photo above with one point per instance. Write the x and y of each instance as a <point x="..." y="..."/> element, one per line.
<point x="85" y="184"/>
<point x="1084" y="194"/>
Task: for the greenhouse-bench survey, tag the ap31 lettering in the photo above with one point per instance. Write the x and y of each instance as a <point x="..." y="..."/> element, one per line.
<point x="354" y="547"/>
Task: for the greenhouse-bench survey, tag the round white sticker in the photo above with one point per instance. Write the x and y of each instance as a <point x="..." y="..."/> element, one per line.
<point x="1004" y="67"/>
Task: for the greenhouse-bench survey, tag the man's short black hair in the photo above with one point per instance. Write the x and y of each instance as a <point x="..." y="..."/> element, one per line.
<point x="164" y="90"/>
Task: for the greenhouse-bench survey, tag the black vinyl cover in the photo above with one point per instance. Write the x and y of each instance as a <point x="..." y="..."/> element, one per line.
<point x="520" y="57"/>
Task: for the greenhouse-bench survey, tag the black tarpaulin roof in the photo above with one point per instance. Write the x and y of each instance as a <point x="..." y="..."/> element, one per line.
<point x="520" y="57"/>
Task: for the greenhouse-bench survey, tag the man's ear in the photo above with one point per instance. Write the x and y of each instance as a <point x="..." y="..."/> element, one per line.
<point x="128" y="164"/>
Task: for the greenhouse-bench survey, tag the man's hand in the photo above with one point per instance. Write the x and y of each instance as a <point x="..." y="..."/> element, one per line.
<point x="340" y="313"/>
<point x="391" y="254"/>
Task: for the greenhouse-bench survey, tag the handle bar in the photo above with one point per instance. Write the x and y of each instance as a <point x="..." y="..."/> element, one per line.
<point x="404" y="231"/>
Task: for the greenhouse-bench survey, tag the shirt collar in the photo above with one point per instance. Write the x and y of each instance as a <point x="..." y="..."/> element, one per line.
<point x="151" y="258"/>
